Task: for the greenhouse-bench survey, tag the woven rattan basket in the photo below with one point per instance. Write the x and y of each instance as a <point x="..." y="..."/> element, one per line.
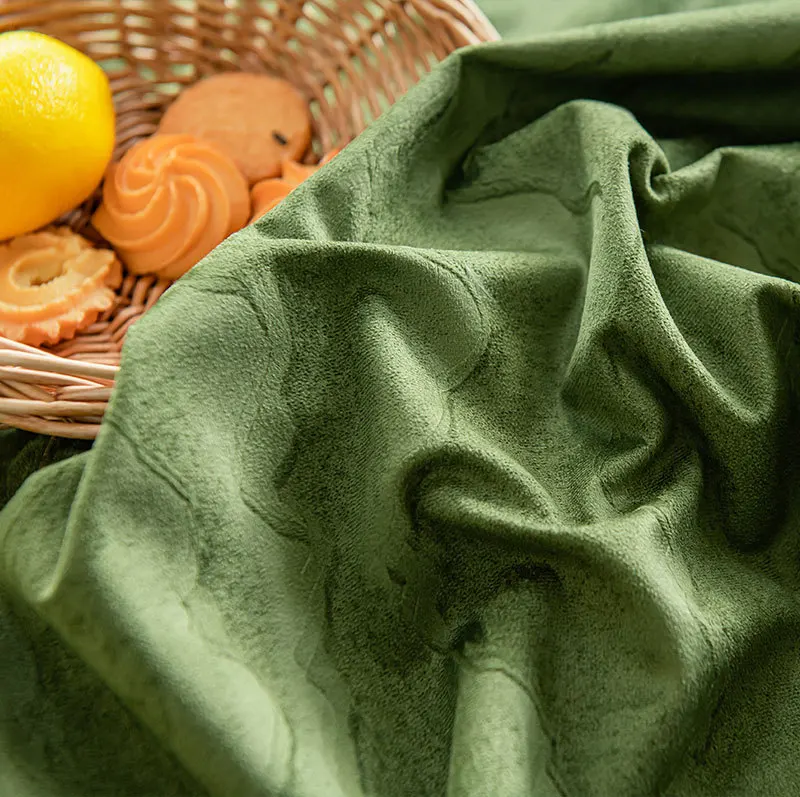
<point x="350" y="58"/>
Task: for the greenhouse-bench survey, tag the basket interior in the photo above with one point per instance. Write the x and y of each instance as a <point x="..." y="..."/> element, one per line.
<point x="351" y="59"/>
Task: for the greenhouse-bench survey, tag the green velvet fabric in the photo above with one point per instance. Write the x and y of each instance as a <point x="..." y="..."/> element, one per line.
<point x="520" y="19"/>
<point x="468" y="471"/>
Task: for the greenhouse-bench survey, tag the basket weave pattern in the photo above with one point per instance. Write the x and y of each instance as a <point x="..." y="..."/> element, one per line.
<point x="350" y="58"/>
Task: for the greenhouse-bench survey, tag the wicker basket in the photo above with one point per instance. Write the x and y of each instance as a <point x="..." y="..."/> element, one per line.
<point x="350" y="58"/>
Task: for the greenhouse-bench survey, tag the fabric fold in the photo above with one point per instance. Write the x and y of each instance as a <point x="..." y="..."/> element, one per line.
<point x="467" y="471"/>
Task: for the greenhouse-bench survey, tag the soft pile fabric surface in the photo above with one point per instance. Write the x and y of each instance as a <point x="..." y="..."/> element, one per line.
<point x="469" y="471"/>
<point x="519" y="19"/>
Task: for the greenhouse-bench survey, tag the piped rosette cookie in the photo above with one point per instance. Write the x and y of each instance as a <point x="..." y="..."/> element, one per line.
<point x="54" y="284"/>
<point x="169" y="202"/>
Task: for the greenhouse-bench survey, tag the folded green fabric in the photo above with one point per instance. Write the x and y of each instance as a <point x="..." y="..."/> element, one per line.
<point x="517" y="19"/>
<point x="468" y="471"/>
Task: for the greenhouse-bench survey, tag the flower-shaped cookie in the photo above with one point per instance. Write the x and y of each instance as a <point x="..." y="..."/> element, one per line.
<point x="54" y="284"/>
<point x="169" y="202"/>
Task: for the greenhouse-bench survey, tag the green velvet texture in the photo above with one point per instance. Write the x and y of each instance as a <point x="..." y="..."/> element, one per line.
<point x="468" y="471"/>
<point x="519" y="19"/>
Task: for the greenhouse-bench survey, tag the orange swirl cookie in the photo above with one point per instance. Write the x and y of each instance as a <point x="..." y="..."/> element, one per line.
<point x="54" y="284"/>
<point x="266" y="194"/>
<point x="257" y="120"/>
<point x="169" y="202"/>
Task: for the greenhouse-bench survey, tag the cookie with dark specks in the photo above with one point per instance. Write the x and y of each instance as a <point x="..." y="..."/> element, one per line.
<point x="259" y="121"/>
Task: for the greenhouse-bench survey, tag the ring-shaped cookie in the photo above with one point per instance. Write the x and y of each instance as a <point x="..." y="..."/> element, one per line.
<point x="54" y="284"/>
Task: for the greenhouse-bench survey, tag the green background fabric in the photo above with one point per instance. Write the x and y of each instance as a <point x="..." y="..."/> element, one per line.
<point x="468" y="471"/>
<point x="517" y="19"/>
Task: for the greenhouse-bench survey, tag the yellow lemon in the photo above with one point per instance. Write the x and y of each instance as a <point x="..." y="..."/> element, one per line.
<point x="56" y="130"/>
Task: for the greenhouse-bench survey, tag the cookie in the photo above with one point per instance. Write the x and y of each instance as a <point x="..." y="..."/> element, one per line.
<point x="259" y="121"/>
<point x="266" y="194"/>
<point x="169" y="202"/>
<point x="54" y="284"/>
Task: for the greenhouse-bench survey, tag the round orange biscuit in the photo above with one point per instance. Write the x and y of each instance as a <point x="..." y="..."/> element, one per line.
<point x="257" y="120"/>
